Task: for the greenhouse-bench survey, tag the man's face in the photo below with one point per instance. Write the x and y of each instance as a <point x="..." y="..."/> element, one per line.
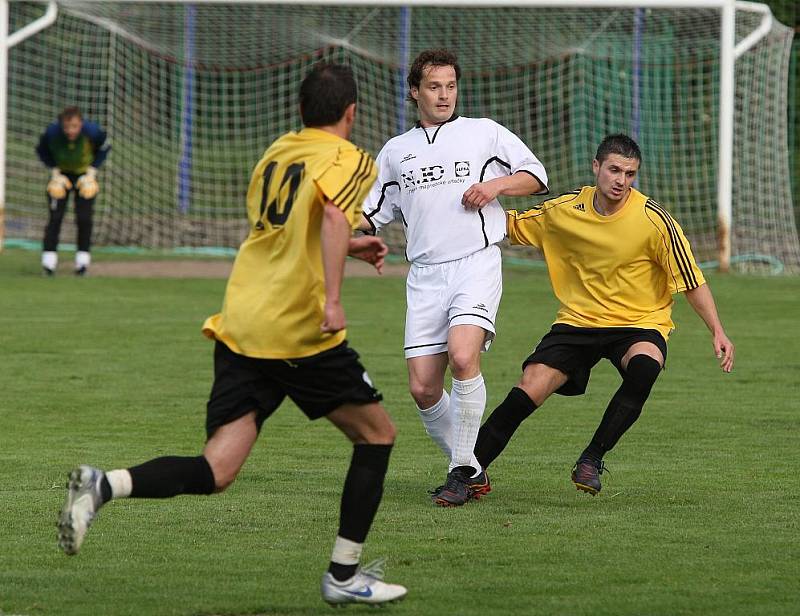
<point x="615" y="176"/>
<point x="436" y="95"/>
<point x="72" y="127"/>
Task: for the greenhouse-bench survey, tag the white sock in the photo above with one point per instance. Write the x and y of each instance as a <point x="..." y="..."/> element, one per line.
<point x="346" y="552"/>
<point x="438" y="421"/>
<point x="50" y="259"/>
<point x="468" y="402"/>
<point x="82" y="259"/>
<point x="120" y="482"/>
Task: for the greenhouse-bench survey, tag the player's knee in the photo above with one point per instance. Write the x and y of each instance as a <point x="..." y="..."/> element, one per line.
<point x="539" y="381"/>
<point x="529" y="385"/>
<point x="378" y="432"/>
<point x="464" y="364"/>
<point x="385" y="434"/>
<point x="425" y="394"/>
<point x="640" y="376"/>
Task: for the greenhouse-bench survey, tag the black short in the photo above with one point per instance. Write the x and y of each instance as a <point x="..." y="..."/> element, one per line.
<point x="318" y="385"/>
<point x="575" y="350"/>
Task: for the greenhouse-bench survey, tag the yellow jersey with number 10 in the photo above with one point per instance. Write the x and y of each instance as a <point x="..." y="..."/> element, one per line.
<point x="275" y="298"/>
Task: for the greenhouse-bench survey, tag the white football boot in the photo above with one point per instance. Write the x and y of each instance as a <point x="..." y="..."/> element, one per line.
<point x="366" y="586"/>
<point x="80" y="508"/>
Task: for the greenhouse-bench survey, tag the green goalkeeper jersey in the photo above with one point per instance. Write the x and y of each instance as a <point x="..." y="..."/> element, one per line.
<point x="75" y="157"/>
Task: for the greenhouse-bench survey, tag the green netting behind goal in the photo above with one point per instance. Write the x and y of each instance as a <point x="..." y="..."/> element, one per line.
<point x="192" y="95"/>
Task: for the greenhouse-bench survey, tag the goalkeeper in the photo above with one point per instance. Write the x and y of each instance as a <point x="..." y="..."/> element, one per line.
<point x="73" y="149"/>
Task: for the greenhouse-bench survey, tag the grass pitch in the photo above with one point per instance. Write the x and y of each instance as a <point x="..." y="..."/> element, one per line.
<point x="698" y="516"/>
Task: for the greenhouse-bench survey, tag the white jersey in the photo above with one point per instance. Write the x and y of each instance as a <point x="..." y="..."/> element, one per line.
<point x="424" y="173"/>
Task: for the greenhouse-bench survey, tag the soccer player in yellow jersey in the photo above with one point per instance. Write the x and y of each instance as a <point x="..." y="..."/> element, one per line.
<point x="615" y="258"/>
<point x="281" y="333"/>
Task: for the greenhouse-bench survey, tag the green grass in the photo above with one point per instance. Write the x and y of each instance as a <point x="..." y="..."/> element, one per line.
<point x="699" y="516"/>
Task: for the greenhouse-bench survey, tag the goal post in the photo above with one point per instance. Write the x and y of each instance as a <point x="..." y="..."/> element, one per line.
<point x="190" y="93"/>
<point x="7" y="41"/>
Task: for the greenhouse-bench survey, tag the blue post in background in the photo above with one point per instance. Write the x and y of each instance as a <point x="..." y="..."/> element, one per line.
<point x="402" y="59"/>
<point x="187" y="112"/>
<point x="638" y="28"/>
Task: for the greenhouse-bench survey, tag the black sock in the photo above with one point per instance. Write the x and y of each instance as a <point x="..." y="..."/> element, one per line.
<point x="617" y="419"/>
<point x="342" y="572"/>
<point x="170" y="476"/>
<point x="625" y="407"/>
<point x="501" y="425"/>
<point x="105" y="489"/>
<point x="363" y="489"/>
<point x="361" y="495"/>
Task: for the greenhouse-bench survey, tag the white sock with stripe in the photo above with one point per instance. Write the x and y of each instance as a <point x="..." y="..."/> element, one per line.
<point x="438" y="421"/>
<point x="468" y="402"/>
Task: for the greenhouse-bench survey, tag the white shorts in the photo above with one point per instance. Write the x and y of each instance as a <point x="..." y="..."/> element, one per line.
<point x="462" y="292"/>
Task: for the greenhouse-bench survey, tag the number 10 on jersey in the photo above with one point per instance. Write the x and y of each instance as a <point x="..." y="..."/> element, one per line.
<point x="278" y="213"/>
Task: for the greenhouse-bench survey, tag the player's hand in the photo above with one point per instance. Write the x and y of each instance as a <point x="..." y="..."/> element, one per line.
<point x="724" y="350"/>
<point x="370" y="249"/>
<point x="58" y="185"/>
<point x="87" y="184"/>
<point x="334" y="320"/>
<point x="479" y="195"/>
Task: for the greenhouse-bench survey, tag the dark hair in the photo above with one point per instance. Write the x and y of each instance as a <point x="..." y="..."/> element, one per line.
<point x="618" y="144"/>
<point x="430" y="57"/>
<point x="69" y="112"/>
<point x="327" y="90"/>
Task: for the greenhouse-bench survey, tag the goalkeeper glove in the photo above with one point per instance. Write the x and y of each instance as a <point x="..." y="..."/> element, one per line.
<point x="87" y="184"/>
<point x="58" y="185"/>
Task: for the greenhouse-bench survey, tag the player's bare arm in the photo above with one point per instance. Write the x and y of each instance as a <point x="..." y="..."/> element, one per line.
<point x="517" y="185"/>
<point x="702" y="301"/>
<point x="370" y="249"/>
<point x="335" y="237"/>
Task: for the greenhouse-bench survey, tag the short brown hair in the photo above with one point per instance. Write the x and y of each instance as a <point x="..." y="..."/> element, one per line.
<point x="430" y="57"/>
<point x="618" y="144"/>
<point x="69" y="112"/>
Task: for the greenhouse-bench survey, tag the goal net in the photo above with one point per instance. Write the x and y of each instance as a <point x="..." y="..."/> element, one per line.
<point x="191" y="95"/>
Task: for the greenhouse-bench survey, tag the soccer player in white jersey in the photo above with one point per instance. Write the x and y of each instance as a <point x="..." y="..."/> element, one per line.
<point x="429" y="174"/>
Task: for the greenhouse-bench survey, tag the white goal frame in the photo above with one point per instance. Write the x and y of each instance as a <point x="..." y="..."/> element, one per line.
<point x="728" y="52"/>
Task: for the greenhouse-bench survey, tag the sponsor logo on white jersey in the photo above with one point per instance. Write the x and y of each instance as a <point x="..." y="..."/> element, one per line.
<point x="434" y="175"/>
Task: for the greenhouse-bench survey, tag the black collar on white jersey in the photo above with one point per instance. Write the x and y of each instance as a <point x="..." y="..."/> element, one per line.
<point x="436" y="132"/>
